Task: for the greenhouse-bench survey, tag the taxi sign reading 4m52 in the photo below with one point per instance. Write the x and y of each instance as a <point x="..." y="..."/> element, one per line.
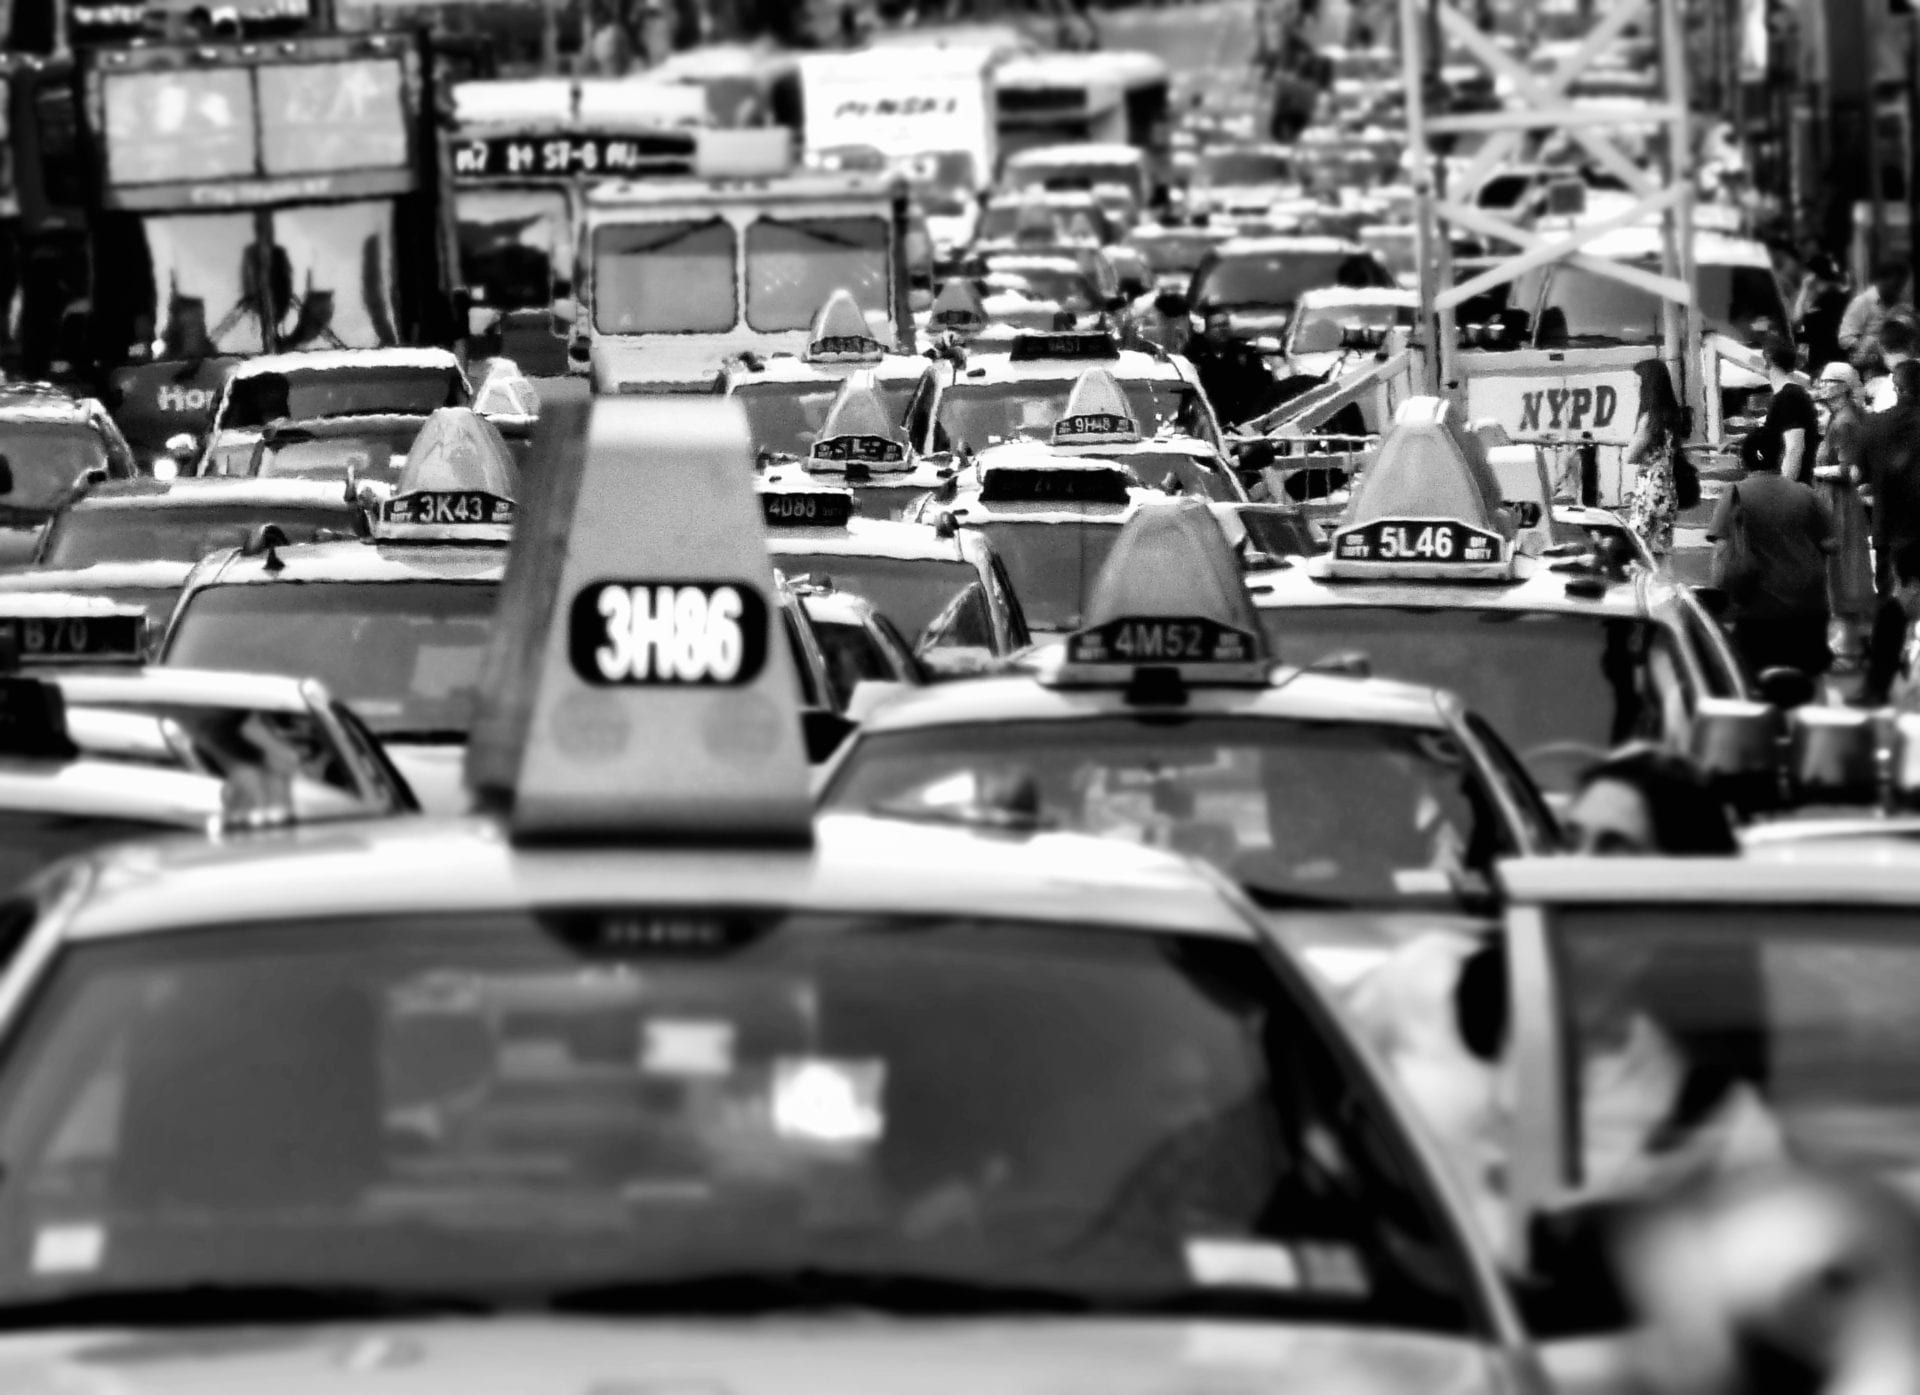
<point x="668" y="633"/>
<point x="1158" y="640"/>
<point x="1443" y="541"/>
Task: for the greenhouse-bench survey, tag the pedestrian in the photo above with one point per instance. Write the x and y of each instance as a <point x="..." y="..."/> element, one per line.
<point x="1232" y="374"/>
<point x="1895" y="345"/>
<point x="1771" y="539"/>
<point x="1890" y="462"/>
<point x="1792" y="423"/>
<point x="1658" y="431"/>
<point x="1837" y="478"/>
<point x="1818" y="309"/>
<point x="1646" y="801"/>
<point x="1169" y="323"/>
<point x="1867" y="311"/>
<point x="1876" y="379"/>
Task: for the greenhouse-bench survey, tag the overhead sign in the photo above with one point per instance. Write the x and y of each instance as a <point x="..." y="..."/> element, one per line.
<point x="902" y="103"/>
<point x="1562" y="400"/>
<point x="583" y="154"/>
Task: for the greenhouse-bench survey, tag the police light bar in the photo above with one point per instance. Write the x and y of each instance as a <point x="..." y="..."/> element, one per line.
<point x="458" y="484"/>
<point x="840" y="333"/>
<point x="1035" y="348"/>
<point x="1097" y="414"/>
<point x="806" y="508"/>
<point x="636" y="687"/>
<point x="46" y="628"/>
<point x="1056" y="484"/>
<point x="1427" y="508"/>
<point x="1169" y="598"/>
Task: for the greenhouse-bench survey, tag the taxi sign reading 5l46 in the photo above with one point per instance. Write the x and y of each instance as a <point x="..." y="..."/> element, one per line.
<point x="1417" y="542"/>
<point x="673" y="633"/>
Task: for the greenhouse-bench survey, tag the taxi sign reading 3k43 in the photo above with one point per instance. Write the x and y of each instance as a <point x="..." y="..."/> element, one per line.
<point x="1426" y="541"/>
<point x="668" y="633"/>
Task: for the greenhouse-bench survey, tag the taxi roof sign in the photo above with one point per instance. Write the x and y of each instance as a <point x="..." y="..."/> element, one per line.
<point x="841" y="334"/>
<point x="959" y="308"/>
<point x="637" y="685"/>
<point x="1098" y="413"/>
<point x="807" y="506"/>
<point x="1170" y="596"/>
<point x="858" y="431"/>
<point x="1034" y="348"/>
<point x="459" y="483"/>
<point x="1427" y="508"/>
<point x="47" y="627"/>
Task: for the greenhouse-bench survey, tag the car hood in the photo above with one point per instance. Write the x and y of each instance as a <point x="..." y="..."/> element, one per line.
<point x="841" y="1356"/>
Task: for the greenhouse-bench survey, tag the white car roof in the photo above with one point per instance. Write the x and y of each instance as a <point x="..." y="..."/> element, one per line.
<point x="326" y="360"/>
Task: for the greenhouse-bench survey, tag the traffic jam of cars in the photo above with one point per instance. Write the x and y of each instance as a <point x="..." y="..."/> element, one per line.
<point x="997" y="697"/>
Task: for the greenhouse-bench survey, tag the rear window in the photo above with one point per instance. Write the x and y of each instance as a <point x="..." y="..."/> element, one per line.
<point x="85" y="536"/>
<point x="1271" y="279"/>
<point x="304" y="394"/>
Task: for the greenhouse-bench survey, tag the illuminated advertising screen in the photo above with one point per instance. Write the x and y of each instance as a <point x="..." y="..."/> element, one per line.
<point x="164" y="127"/>
<point x="290" y="119"/>
<point x="320" y="117"/>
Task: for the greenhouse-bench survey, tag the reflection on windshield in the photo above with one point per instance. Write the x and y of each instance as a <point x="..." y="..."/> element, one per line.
<point x="83" y="536"/>
<point x="1331" y="812"/>
<point x="198" y="297"/>
<point x="375" y="457"/>
<point x="1052" y="565"/>
<point x="785" y="418"/>
<point x="1540" y="680"/>
<point x="1801" y="1018"/>
<point x="1272" y="280"/>
<point x="793" y="265"/>
<point x="909" y="592"/>
<point x="980" y="414"/>
<point x="511" y="242"/>
<point x="341" y="260"/>
<point x="936" y="1115"/>
<point x="1582" y="307"/>
<point x="404" y="656"/>
<point x="664" y="278"/>
<point x="45" y="458"/>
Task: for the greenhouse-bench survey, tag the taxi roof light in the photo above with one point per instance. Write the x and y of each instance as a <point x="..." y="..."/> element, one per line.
<point x="858" y="431"/>
<point x="841" y="334"/>
<point x="1097" y="413"/>
<point x="1168" y="610"/>
<point x="636" y="686"/>
<point x="1427" y="508"/>
<point x="459" y="484"/>
<point x="51" y="628"/>
<point x="958" y="308"/>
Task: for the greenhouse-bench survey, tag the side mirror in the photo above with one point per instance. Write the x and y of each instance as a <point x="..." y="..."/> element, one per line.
<point x="1785" y="688"/>
<point x="823" y="731"/>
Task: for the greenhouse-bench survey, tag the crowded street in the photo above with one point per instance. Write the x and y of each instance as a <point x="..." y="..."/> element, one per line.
<point x="960" y="697"/>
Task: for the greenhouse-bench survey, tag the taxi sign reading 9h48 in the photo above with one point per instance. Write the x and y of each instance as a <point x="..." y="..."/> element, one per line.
<point x="668" y="633"/>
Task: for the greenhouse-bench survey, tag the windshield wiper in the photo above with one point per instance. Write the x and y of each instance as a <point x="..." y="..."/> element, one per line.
<point x="209" y="1305"/>
<point x="757" y="1292"/>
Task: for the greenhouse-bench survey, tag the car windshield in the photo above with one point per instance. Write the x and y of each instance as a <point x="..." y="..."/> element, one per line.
<point x="1328" y="324"/>
<point x="44" y="459"/>
<point x="665" y="278"/>
<point x="1334" y="812"/>
<point x="1065" y="285"/>
<point x="1244" y="167"/>
<point x="304" y="394"/>
<point x="1052" y="565"/>
<point x="1562" y="689"/>
<point x="1003" y="221"/>
<point x="1194" y="476"/>
<point x="87" y="534"/>
<point x="369" y="455"/>
<point x="1270" y="280"/>
<point x="910" y="592"/>
<point x="980" y="414"/>
<point x="1803" y="1015"/>
<point x="32" y="839"/>
<point x="794" y="264"/>
<point x="1174" y="254"/>
<point x="786" y="418"/>
<point x="1584" y="308"/>
<point x="405" y="656"/>
<point x="512" y="242"/>
<point x="641" y="1111"/>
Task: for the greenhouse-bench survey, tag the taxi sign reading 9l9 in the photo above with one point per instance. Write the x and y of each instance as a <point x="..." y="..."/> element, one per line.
<point x="672" y="633"/>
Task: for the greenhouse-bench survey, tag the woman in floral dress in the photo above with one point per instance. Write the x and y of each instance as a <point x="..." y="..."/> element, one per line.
<point x="1658" y="431"/>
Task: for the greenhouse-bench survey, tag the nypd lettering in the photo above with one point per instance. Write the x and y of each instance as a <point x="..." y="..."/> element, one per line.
<point x="1569" y="408"/>
<point x="668" y="634"/>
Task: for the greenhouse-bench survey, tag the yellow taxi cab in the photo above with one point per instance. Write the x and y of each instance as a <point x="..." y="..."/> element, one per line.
<point x="1566" y="656"/>
<point x="862" y="446"/>
<point x="788" y="398"/>
<point x="395" y="622"/>
<point x="642" y="1071"/>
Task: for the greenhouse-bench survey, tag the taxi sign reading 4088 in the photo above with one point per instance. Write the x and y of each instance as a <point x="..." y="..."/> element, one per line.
<point x="668" y="633"/>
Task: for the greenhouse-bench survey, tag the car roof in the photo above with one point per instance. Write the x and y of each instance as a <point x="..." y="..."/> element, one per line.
<point x="1709" y="248"/>
<point x="361" y="869"/>
<point x="1358" y="295"/>
<point x="1087" y="153"/>
<point x="792" y="368"/>
<point x="188" y="687"/>
<point x="45" y="406"/>
<point x="328" y="360"/>
<point x="1270" y="244"/>
<point x="1838" y="872"/>
<point x="100" y="576"/>
<point x="359" y="560"/>
<point x="1536" y="589"/>
<point x="1131" y="366"/>
<point x="96" y="788"/>
<point x="872" y="537"/>
<point x="1291" y="695"/>
<point x="200" y="491"/>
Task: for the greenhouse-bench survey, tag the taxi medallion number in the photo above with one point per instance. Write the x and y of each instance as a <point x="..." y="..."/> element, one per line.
<point x="668" y="634"/>
<point x="455" y="506"/>
<point x="1171" y="641"/>
<point x="1095" y="424"/>
<point x="70" y="637"/>
<point x="1437" y="542"/>
<point x="869" y="450"/>
<point x="802" y="510"/>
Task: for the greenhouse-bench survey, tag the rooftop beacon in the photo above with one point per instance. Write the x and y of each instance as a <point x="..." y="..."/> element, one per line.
<point x="1427" y="508"/>
<point x="1169" y="610"/>
<point x="636" y="687"/>
<point x="459" y="484"/>
<point x="1097" y="413"/>
<point x="859" y="437"/>
<point x="841" y="334"/>
<point x="50" y="628"/>
<point x="958" y="309"/>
